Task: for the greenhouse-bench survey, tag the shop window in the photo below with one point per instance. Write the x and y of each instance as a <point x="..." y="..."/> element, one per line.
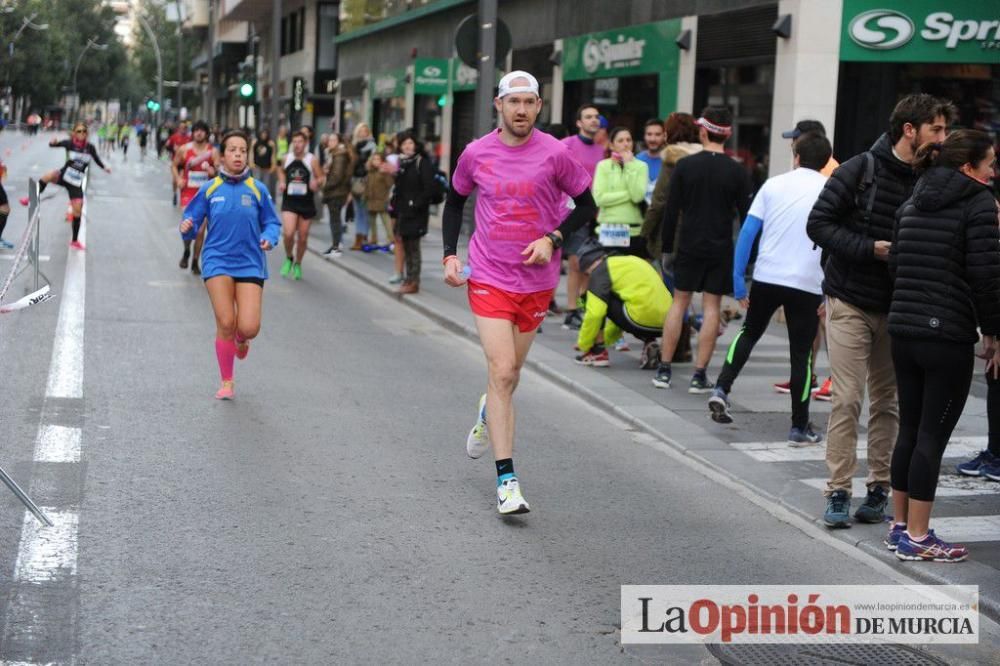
<point x="748" y="91"/>
<point x="293" y="32"/>
<point x="326" y="30"/>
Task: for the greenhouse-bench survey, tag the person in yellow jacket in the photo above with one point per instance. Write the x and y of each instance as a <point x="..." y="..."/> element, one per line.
<point x="620" y="183"/>
<point x="625" y="293"/>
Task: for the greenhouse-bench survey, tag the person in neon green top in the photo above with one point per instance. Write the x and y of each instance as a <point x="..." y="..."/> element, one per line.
<point x="620" y="183"/>
<point x="625" y="293"/>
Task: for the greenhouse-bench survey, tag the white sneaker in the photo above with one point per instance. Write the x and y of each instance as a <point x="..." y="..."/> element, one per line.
<point x="333" y="253"/>
<point x="478" y="442"/>
<point x="509" y="498"/>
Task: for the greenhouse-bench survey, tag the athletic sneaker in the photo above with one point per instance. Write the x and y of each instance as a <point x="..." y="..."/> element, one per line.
<point x="286" y="267"/>
<point x="700" y="384"/>
<point x="573" y="321"/>
<point x="718" y="405"/>
<point x="649" y="359"/>
<point x="23" y="201"/>
<point x="992" y="470"/>
<point x="6" y="245"/>
<point x="825" y="392"/>
<point x="297" y="271"/>
<point x="838" y="509"/>
<point x="596" y="357"/>
<point x="662" y="378"/>
<point x="799" y="437"/>
<point x="873" y="509"/>
<point x="396" y="278"/>
<point x="930" y="549"/>
<point x="975" y="466"/>
<point x="77" y="245"/>
<point x="226" y="392"/>
<point x="896" y="532"/>
<point x="184" y="259"/>
<point x="622" y="345"/>
<point x="509" y="498"/>
<point x="786" y="387"/>
<point x="478" y="441"/>
<point x="333" y="252"/>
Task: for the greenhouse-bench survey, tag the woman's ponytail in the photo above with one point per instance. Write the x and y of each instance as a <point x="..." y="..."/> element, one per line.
<point x="926" y="156"/>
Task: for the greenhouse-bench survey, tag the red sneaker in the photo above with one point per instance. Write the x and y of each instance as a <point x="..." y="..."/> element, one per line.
<point x="786" y="387"/>
<point x="596" y="357"/>
<point x="825" y="392"/>
<point x="23" y="201"/>
<point x="77" y="245"/>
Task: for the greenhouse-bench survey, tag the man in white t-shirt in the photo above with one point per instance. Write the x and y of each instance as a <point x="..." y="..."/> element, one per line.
<point x="787" y="274"/>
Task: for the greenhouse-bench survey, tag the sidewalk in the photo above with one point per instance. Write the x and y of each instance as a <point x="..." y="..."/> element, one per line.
<point x="752" y="451"/>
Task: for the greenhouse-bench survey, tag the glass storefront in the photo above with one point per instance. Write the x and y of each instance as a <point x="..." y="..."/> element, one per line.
<point x="748" y="91"/>
<point x="388" y="91"/>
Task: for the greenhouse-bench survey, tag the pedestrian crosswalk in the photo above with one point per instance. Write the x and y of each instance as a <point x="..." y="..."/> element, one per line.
<point x="958" y="447"/>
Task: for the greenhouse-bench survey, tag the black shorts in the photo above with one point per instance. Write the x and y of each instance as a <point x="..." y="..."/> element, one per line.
<point x="698" y="274"/>
<point x="74" y="191"/>
<point x="251" y="280"/>
<point x="306" y="209"/>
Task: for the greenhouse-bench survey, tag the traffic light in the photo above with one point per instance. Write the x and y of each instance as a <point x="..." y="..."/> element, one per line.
<point x="152" y="105"/>
<point x="248" y="81"/>
<point x="443" y="100"/>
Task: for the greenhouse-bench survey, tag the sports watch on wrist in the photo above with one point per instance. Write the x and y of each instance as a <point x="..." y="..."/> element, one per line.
<point x="556" y="240"/>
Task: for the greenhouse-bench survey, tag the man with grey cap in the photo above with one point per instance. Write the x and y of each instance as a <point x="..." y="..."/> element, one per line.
<point x="522" y="176"/>
<point x="805" y="126"/>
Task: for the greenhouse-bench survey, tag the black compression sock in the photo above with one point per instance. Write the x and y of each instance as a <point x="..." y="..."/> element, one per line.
<point x="76" y="227"/>
<point x="41" y="186"/>
<point x="3" y="222"/>
<point x="505" y="468"/>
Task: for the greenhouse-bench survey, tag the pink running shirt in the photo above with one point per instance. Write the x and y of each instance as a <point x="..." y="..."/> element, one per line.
<point x="521" y="194"/>
<point x="587" y="154"/>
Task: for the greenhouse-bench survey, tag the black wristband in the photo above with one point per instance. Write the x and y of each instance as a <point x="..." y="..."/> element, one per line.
<point x="556" y="240"/>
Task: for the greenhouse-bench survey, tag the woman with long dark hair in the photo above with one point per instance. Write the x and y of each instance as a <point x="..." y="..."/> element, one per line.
<point x="411" y="202"/>
<point x="945" y="263"/>
<point x="619" y="188"/>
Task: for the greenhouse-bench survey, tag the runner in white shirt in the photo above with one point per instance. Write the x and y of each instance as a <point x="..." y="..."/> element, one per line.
<point x="787" y="274"/>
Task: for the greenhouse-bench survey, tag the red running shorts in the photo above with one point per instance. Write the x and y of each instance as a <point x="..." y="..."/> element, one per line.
<point x="525" y="310"/>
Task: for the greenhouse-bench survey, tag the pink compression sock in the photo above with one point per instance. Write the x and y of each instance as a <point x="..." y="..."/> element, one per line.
<point x="225" y="351"/>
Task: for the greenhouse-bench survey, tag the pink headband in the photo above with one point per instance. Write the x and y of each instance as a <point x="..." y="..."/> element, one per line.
<point x="722" y="130"/>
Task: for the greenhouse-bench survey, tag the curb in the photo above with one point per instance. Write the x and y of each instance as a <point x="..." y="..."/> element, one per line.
<point x="988" y="606"/>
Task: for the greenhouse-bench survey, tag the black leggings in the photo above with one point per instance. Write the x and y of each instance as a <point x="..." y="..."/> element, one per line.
<point x="933" y="380"/>
<point x="802" y="320"/>
<point x="993" y="412"/>
<point x="618" y="314"/>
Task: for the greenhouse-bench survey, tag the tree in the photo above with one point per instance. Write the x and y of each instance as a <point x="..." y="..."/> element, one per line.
<point x="143" y="54"/>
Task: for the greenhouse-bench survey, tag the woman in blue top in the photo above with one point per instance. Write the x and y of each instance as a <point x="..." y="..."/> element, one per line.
<point x="242" y="225"/>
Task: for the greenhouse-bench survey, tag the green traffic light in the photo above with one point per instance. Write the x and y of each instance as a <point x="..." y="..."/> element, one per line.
<point x="246" y="90"/>
<point x="443" y="100"/>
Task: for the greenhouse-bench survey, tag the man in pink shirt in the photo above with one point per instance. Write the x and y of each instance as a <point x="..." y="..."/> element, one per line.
<point x="588" y="152"/>
<point x="523" y="176"/>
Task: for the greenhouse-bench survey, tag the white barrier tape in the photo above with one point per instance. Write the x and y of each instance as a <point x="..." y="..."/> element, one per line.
<point x="34" y="298"/>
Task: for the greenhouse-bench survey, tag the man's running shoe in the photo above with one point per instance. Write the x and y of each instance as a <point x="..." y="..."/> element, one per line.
<point x="286" y="267"/>
<point x="622" y="345"/>
<point x="992" y="470"/>
<point x="700" y="384"/>
<point x="930" y="549"/>
<point x="786" y="387"/>
<point x="297" y="271"/>
<point x="662" y="378"/>
<point x="718" y="405"/>
<point x="975" y="466"/>
<point x="77" y="245"/>
<point x="184" y="259"/>
<point x="573" y="321"/>
<point x="478" y="441"/>
<point x="799" y="437"/>
<point x="896" y="533"/>
<point x="509" y="498"/>
<point x="838" y="509"/>
<point x="226" y="392"/>
<point x="333" y="252"/>
<point x="873" y="509"/>
<point x="6" y="245"/>
<point x="195" y="268"/>
<point x="23" y="201"/>
<point x="825" y="392"/>
<point x="596" y="357"/>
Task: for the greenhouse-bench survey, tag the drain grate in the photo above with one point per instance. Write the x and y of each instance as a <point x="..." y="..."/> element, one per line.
<point x="821" y="655"/>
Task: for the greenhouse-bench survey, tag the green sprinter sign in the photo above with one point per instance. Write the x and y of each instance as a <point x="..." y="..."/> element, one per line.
<point x="957" y="31"/>
<point x="430" y="76"/>
<point x="641" y="49"/>
<point x="389" y="84"/>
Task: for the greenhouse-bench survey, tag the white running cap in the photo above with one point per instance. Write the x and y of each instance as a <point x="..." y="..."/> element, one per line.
<point x="505" y="88"/>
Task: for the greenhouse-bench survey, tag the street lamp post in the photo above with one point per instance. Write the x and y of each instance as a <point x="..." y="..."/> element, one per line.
<point x="159" y="67"/>
<point x="91" y="44"/>
<point x="26" y="22"/>
<point x="180" y="67"/>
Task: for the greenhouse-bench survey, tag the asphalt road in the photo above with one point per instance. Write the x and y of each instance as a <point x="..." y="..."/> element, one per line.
<point x="329" y="514"/>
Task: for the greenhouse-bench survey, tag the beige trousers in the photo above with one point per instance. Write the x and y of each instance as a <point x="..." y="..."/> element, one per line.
<point x="860" y="354"/>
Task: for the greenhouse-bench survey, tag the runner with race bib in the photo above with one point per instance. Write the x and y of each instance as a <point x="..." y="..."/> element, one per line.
<point x="298" y="179"/>
<point x="79" y="154"/>
<point x="194" y="165"/>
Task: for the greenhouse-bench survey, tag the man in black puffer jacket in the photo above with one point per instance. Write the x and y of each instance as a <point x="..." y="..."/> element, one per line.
<point x="853" y="222"/>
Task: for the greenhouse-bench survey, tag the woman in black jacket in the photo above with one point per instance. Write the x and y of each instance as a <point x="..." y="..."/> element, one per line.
<point x="411" y="201"/>
<point x="945" y="265"/>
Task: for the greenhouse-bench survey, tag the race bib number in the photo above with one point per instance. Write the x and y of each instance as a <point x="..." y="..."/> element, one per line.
<point x="73" y="177"/>
<point x="298" y="189"/>
<point x="649" y="192"/>
<point x="614" y="235"/>
<point x="196" y="179"/>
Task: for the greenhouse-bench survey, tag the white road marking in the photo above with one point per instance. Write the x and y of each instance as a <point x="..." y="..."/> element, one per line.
<point x="10" y="257"/>
<point x="948" y="486"/>
<point x="47" y="553"/>
<point x="66" y="367"/>
<point x="967" y="529"/>
<point x="58" y="444"/>
<point x="958" y="447"/>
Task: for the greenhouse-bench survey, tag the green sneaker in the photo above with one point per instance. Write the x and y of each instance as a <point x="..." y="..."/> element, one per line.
<point x="286" y="267"/>
<point x="297" y="272"/>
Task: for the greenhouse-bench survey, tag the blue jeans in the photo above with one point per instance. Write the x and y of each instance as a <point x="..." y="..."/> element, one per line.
<point x="360" y="218"/>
